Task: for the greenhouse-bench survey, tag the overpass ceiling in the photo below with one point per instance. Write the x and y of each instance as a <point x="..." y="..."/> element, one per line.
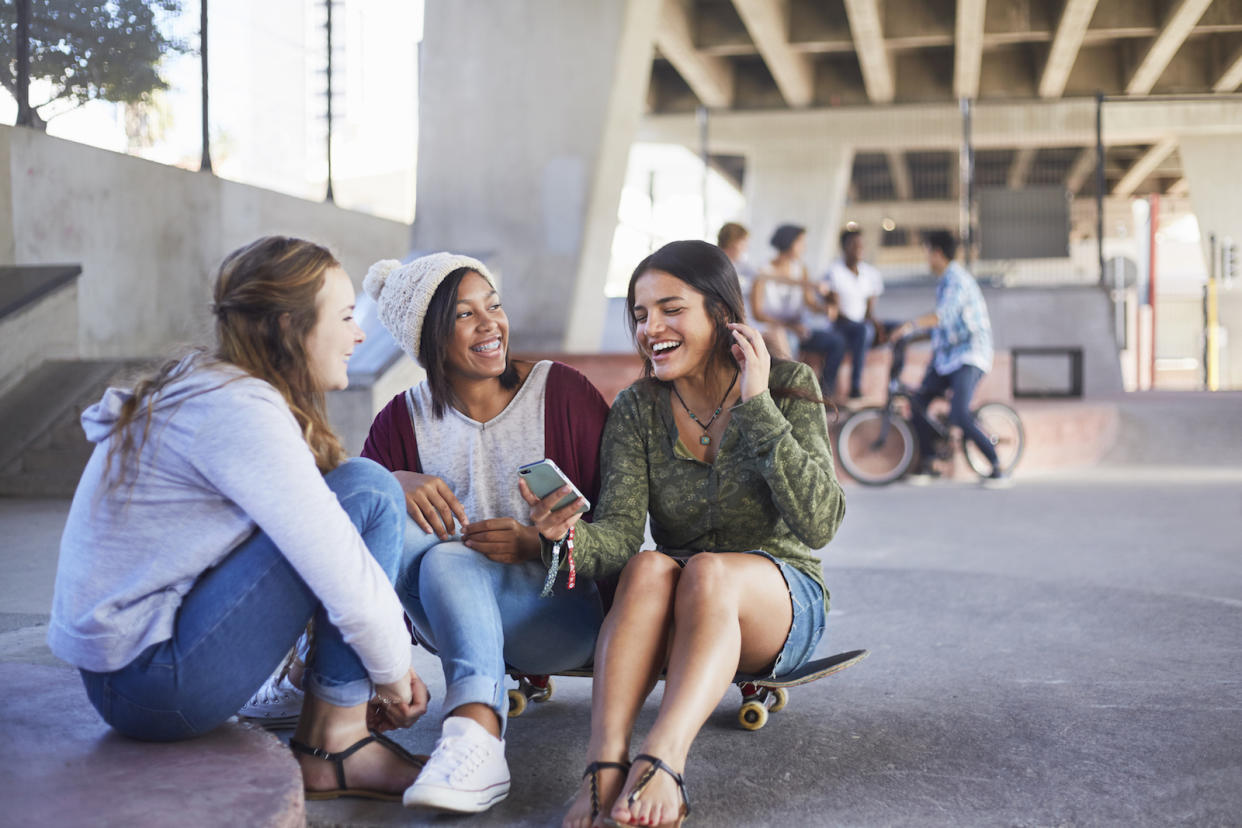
<point x="895" y="52"/>
<point x="912" y="51"/>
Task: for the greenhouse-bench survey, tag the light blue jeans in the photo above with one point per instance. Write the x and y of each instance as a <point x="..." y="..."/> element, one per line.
<point x="480" y="616"/>
<point x="240" y="619"/>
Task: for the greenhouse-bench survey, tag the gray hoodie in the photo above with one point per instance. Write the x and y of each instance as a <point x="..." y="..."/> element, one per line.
<point x="224" y="455"/>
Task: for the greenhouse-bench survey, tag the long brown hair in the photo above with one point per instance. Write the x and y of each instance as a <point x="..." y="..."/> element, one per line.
<point x="264" y="305"/>
<point x="706" y="269"/>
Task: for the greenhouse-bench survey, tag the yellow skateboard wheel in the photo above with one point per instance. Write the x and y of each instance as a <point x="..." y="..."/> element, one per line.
<point x="780" y="696"/>
<point x="517" y="703"/>
<point x="753" y="715"/>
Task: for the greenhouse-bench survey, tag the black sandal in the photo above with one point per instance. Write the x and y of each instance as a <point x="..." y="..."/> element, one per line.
<point x="592" y="770"/>
<point x="645" y="780"/>
<point x="339" y="758"/>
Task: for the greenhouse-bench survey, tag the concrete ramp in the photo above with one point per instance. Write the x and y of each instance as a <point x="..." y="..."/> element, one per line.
<point x="1167" y="428"/>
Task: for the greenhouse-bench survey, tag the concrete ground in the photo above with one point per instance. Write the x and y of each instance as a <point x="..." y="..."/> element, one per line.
<point x="1062" y="653"/>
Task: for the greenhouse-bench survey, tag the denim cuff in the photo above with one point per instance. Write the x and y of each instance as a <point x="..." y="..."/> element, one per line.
<point x="347" y="694"/>
<point x="478" y="689"/>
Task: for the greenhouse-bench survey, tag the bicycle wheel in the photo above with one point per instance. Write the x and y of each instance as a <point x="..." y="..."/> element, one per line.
<point x="1003" y="427"/>
<point x="873" y="454"/>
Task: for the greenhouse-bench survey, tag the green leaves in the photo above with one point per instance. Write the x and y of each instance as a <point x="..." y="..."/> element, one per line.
<point x="91" y="50"/>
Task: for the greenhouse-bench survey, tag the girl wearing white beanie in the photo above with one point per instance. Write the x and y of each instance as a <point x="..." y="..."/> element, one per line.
<point x="472" y="572"/>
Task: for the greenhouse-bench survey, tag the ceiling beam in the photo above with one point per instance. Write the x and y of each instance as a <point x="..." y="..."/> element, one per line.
<point x="1176" y="29"/>
<point x="710" y="78"/>
<point x="899" y="174"/>
<point x="767" y="21"/>
<point x="873" y="57"/>
<point x="1231" y="78"/>
<point x="1075" y="18"/>
<point x="968" y="48"/>
<point x="1064" y="122"/>
<point x="1084" y="165"/>
<point x="1023" y="160"/>
<point x="1144" y="166"/>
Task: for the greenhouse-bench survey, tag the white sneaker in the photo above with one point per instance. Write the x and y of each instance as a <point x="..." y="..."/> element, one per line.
<point x="276" y="704"/>
<point x="467" y="772"/>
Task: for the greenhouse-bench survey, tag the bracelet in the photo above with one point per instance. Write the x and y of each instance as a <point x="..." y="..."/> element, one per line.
<point x="554" y="567"/>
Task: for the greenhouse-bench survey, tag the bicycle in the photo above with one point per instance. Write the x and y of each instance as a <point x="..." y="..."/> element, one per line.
<point x="877" y="445"/>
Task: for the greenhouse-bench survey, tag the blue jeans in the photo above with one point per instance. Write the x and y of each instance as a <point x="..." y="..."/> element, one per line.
<point x="962" y="383"/>
<point x="480" y="615"/>
<point x="241" y="618"/>
<point x="844" y="337"/>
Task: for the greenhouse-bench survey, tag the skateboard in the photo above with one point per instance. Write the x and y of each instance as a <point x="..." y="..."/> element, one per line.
<point x="760" y="697"/>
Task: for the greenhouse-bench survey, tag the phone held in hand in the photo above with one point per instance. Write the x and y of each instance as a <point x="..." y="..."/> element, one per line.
<point x="545" y="477"/>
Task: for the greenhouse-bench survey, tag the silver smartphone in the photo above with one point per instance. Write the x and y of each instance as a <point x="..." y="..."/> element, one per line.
<point x="544" y="478"/>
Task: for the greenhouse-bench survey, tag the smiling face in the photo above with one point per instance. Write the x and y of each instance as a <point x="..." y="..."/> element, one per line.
<point x="480" y="340"/>
<point x="672" y="325"/>
<point x="335" y="335"/>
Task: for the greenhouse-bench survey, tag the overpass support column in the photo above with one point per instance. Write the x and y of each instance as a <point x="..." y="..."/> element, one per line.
<point x="527" y="110"/>
<point x="803" y="185"/>
<point x="1213" y="169"/>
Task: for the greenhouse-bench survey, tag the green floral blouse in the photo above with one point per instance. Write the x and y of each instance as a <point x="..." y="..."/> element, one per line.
<point x="772" y="486"/>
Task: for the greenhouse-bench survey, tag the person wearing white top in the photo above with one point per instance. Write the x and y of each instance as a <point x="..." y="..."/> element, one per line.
<point x="849" y="289"/>
<point x="218" y="515"/>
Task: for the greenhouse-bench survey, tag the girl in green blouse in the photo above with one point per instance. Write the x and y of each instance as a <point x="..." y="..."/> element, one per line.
<point x="729" y="454"/>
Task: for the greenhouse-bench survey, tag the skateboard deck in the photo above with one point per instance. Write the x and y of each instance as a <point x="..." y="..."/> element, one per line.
<point x="813" y="670"/>
<point x="760" y="696"/>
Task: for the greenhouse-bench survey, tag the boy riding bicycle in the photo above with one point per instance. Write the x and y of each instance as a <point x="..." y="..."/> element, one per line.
<point x="961" y="354"/>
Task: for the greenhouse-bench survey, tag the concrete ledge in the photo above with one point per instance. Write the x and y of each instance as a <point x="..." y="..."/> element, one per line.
<point x="61" y="765"/>
<point x="23" y="286"/>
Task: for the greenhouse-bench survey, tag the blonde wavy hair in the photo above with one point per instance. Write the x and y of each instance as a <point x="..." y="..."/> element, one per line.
<point x="264" y="305"/>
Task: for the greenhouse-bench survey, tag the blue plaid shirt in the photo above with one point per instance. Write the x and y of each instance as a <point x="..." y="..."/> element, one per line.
<point x="963" y="336"/>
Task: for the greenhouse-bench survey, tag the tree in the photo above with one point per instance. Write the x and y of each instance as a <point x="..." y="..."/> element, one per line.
<point x="90" y="50"/>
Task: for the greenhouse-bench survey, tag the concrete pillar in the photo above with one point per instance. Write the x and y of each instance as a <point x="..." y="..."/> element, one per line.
<point x="527" y="110"/>
<point x="1213" y="168"/>
<point x="798" y="184"/>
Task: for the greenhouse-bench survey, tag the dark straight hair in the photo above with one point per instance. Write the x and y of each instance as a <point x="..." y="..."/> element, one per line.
<point x="705" y="268"/>
<point x="942" y="240"/>
<point x="439" y="327"/>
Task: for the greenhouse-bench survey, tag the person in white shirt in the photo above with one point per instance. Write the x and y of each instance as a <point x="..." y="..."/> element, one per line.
<point x="849" y="289"/>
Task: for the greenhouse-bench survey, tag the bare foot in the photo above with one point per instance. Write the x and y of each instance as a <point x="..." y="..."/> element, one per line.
<point x="374" y="768"/>
<point x="659" y="804"/>
<point x="609" y="781"/>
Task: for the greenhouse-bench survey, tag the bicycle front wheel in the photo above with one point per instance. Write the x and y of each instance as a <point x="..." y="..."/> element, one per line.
<point x="875" y="447"/>
<point x="1003" y="428"/>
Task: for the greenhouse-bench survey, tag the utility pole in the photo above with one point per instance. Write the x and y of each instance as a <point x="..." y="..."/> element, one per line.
<point x="205" y="164"/>
<point x="329" y="198"/>
<point x="25" y="115"/>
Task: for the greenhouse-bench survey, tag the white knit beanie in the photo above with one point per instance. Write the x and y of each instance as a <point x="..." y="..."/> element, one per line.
<point x="403" y="292"/>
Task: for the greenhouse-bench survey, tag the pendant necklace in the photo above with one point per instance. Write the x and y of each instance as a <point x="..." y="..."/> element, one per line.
<point x="706" y="439"/>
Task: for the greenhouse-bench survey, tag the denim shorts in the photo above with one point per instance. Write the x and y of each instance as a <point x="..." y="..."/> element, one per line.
<point x="807" y="599"/>
<point x="807" y="628"/>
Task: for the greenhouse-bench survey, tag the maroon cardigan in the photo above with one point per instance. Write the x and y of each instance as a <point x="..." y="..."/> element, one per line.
<point x="573" y="425"/>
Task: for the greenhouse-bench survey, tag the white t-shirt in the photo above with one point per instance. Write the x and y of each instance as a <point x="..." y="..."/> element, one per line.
<point x="853" y="290"/>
